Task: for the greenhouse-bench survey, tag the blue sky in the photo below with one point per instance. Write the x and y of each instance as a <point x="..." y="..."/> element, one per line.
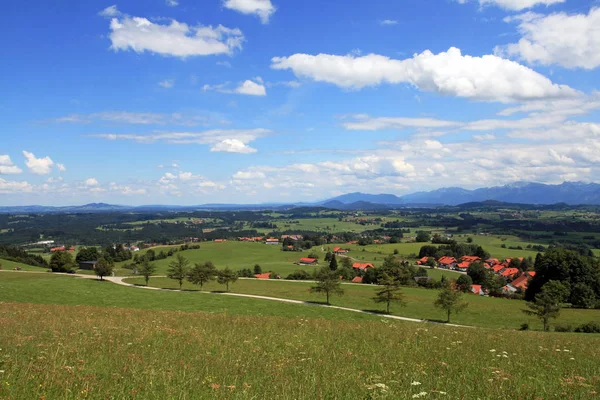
<point x="248" y="101"/>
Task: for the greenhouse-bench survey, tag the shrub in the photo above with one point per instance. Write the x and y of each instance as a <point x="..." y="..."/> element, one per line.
<point x="590" y="327"/>
<point x="524" y="327"/>
<point x="299" y="275"/>
<point x="563" y="328"/>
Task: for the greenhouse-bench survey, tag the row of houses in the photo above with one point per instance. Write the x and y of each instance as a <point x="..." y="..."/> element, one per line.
<point x="62" y="248"/>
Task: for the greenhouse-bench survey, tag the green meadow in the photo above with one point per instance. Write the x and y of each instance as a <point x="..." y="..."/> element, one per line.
<point x="488" y="312"/>
<point x="71" y="338"/>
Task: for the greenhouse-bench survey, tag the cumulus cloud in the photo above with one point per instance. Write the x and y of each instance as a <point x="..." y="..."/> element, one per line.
<point x="172" y="3"/>
<point x="91" y="182"/>
<point x="175" y="39"/>
<point x="515" y="5"/>
<point x="261" y="8"/>
<point x="232" y="146"/>
<point x="231" y="141"/>
<point x="387" y="22"/>
<point x="61" y="167"/>
<point x="39" y="166"/>
<point x="245" y="175"/>
<point x="248" y="87"/>
<point x="486" y="78"/>
<point x="7" y="167"/>
<point x="10" y="187"/>
<point x="569" y="40"/>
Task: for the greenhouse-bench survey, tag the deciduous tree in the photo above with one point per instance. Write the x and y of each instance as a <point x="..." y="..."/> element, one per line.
<point x="147" y="269"/>
<point x="328" y="282"/>
<point x="450" y="300"/>
<point x="226" y="276"/>
<point x="203" y="273"/>
<point x="178" y="269"/>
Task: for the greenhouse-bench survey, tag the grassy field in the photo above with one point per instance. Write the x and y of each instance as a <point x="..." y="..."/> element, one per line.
<point x="46" y="288"/>
<point x="9" y="265"/>
<point x="482" y="311"/>
<point x="98" y="353"/>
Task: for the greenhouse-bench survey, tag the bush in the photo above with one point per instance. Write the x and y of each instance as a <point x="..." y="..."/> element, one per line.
<point x="590" y="327"/>
<point x="563" y="328"/>
<point x="245" y="273"/>
<point x="524" y="327"/>
<point x="299" y="275"/>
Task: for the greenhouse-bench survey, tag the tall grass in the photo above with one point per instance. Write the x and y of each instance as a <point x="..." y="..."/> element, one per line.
<point x="65" y="352"/>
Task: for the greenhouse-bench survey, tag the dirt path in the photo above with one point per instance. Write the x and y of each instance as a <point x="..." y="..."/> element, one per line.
<point x="118" y="280"/>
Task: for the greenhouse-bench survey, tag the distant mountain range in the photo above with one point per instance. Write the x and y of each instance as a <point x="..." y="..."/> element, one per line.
<point x="572" y="193"/>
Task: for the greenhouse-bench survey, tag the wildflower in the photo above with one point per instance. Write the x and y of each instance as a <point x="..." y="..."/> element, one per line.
<point x="504" y="355"/>
<point x="557" y="350"/>
<point x="492" y="350"/>
<point x="415" y="383"/>
<point x="571" y="358"/>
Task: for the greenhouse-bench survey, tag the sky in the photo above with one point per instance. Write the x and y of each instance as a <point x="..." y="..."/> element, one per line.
<point x="251" y="101"/>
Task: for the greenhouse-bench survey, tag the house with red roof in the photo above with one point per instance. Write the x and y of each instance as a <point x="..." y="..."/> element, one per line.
<point x="520" y="283"/>
<point x="220" y="240"/>
<point x="422" y="260"/>
<point x="462" y="266"/>
<point x="492" y="261"/>
<point x="530" y="273"/>
<point x="447" y="262"/>
<point x="477" y="289"/>
<point x="308" y="261"/>
<point x="509" y="272"/>
<point x="339" y="251"/>
<point x="497" y="268"/>
<point x="362" y="266"/>
<point x="357" y="279"/>
<point x="470" y="259"/>
<point x="55" y="249"/>
<point x="272" y="241"/>
<point x="266" y="275"/>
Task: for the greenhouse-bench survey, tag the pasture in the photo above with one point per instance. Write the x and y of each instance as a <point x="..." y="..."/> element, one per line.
<point x="91" y="352"/>
<point x="485" y="312"/>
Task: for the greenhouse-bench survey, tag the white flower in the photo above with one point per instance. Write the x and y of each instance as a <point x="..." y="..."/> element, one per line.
<point x="1" y="371"/>
<point x="415" y="383"/>
<point x="557" y="349"/>
<point x="492" y="350"/>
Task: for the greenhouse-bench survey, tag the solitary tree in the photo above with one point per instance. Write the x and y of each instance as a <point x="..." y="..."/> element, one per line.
<point x="202" y="273"/>
<point x="178" y="269"/>
<point x="450" y="300"/>
<point x="328" y="282"/>
<point x="390" y="292"/>
<point x="103" y="268"/>
<point x="226" y="276"/>
<point x="62" y="261"/>
<point x="333" y="263"/>
<point x="147" y="269"/>
<point x="257" y="269"/>
<point x="546" y="305"/>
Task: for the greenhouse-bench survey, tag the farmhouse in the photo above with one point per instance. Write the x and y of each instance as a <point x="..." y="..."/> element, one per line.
<point x="339" y="251"/>
<point x="470" y="259"/>
<point x="477" y="289"/>
<point x="308" y="261"/>
<point x="272" y="241"/>
<point x="447" y="262"/>
<point x="509" y="272"/>
<point x="357" y="279"/>
<point x="266" y="275"/>
<point x="220" y="240"/>
<point x="462" y="266"/>
<point x="422" y="260"/>
<point x="362" y="267"/>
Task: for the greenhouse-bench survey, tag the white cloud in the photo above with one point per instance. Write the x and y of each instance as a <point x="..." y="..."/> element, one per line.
<point x="387" y="22"/>
<point x="61" y="167"/>
<point x="10" y="187"/>
<point x="364" y="122"/>
<point x="486" y="136"/>
<point x="251" y="88"/>
<point x="231" y="141"/>
<point x="486" y="78"/>
<point x="39" y="166"/>
<point x="225" y="64"/>
<point x="232" y="146"/>
<point x="245" y="175"/>
<point x="175" y="39"/>
<point x="172" y="3"/>
<point x="515" y="5"/>
<point x="571" y="41"/>
<point x="109" y="12"/>
<point x="167" y="83"/>
<point x="145" y="118"/>
<point x="7" y="167"/>
<point x="247" y="87"/>
<point x="91" y="182"/>
<point x="262" y="8"/>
